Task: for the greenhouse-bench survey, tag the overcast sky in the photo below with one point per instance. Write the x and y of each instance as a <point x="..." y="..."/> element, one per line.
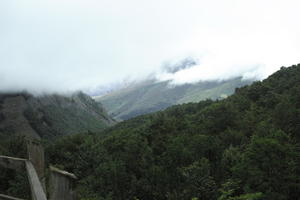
<point x="65" y="45"/>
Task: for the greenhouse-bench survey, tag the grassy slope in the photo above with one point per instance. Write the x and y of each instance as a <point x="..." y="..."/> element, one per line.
<point x="151" y="96"/>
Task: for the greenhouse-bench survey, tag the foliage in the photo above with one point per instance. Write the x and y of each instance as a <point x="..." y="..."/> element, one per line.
<point x="245" y="147"/>
<point x="56" y="115"/>
<point x="11" y="182"/>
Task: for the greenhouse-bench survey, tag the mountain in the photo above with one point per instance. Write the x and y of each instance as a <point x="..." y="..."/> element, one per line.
<point x="49" y="116"/>
<point x="244" y="147"/>
<point x="150" y="95"/>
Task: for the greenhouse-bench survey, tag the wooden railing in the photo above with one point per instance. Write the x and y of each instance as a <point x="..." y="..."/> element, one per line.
<point x="6" y="197"/>
<point x="37" y="190"/>
<point x="61" y="187"/>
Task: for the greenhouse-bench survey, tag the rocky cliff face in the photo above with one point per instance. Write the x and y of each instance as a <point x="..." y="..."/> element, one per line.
<point x="50" y="115"/>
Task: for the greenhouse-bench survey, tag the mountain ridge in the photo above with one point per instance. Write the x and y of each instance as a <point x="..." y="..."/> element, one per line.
<point x="244" y="147"/>
<point x="50" y="115"/>
<point x="152" y="95"/>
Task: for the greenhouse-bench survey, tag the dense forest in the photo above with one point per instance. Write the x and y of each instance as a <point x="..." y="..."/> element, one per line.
<point x="245" y="147"/>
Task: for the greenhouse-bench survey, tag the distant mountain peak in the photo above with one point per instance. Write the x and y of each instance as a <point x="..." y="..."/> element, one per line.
<point x="181" y="65"/>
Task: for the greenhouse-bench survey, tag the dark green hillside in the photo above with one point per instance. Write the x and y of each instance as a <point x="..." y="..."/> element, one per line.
<point x="246" y="147"/>
<point x="46" y="117"/>
<point x="150" y="96"/>
<point x="49" y="116"/>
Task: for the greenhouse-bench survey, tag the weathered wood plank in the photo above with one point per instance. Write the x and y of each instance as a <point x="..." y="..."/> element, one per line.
<point x="36" y="156"/>
<point x="35" y="184"/>
<point x="62" y="172"/>
<point x="61" y="184"/>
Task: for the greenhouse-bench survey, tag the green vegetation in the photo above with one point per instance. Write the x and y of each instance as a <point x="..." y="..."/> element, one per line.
<point x="50" y="116"/>
<point x="57" y="115"/>
<point x="11" y="182"/>
<point x="150" y="96"/>
<point x="245" y="147"/>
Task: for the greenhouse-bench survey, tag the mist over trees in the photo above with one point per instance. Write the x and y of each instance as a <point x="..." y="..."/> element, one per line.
<point x="245" y="147"/>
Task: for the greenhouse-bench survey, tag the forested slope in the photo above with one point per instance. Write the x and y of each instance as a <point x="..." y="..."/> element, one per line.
<point x="49" y="116"/>
<point x="245" y="147"/>
<point x="45" y="117"/>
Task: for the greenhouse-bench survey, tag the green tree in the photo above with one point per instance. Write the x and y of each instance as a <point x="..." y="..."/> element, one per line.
<point x="268" y="166"/>
<point x="198" y="181"/>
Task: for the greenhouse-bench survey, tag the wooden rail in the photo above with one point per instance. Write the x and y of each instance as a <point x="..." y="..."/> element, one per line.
<point x="6" y="197"/>
<point x="37" y="190"/>
<point x="35" y="184"/>
<point x="12" y="163"/>
<point x="61" y="182"/>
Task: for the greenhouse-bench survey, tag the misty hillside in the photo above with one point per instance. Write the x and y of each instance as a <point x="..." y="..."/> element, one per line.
<point x="244" y="147"/>
<point x="48" y="116"/>
<point x="150" y="96"/>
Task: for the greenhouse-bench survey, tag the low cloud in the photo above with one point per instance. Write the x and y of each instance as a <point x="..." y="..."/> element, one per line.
<point x="68" y="45"/>
<point x="206" y="72"/>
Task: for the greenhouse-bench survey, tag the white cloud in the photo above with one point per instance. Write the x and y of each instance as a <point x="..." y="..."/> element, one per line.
<point x="62" y="45"/>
